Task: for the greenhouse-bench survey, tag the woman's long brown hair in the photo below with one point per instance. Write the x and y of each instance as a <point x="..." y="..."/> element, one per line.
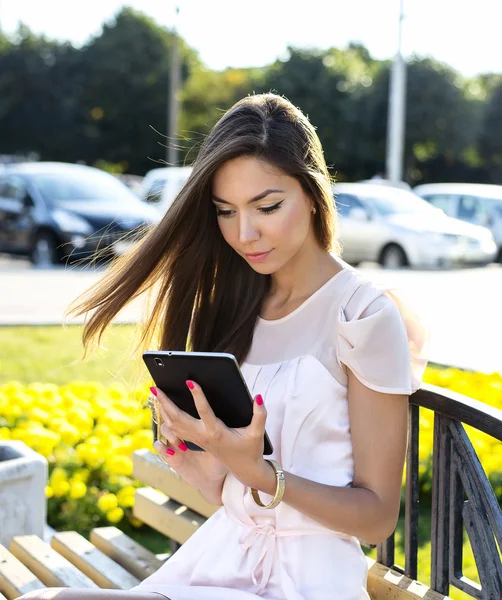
<point x="205" y="297"/>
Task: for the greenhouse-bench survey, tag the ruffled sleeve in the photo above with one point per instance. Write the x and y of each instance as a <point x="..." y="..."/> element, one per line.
<point x="382" y="340"/>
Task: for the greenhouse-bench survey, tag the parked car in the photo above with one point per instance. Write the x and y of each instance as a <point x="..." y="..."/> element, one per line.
<point x="476" y="203"/>
<point x="396" y="228"/>
<point x="161" y="186"/>
<point x="49" y="211"/>
<point x="133" y="182"/>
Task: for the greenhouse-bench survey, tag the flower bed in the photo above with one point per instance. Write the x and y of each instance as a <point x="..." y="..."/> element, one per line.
<point x="88" y="431"/>
<point x="479" y="386"/>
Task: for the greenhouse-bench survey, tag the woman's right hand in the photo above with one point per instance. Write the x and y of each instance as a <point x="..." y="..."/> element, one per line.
<point x="199" y="469"/>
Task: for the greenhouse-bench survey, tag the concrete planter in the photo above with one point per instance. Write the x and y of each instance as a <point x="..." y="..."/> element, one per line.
<point x="23" y="477"/>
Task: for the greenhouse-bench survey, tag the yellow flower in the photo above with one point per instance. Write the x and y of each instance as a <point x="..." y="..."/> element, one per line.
<point x="107" y="502"/>
<point x="115" y="515"/>
<point x="5" y="433"/>
<point x="128" y="490"/>
<point x="102" y="431"/>
<point x="82" y="475"/>
<point x="37" y="414"/>
<point x="49" y="492"/>
<point x="143" y="438"/>
<point x="126" y="496"/>
<point x="78" y="489"/>
<point x="127" y="502"/>
<point x="89" y="455"/>
<point x="12" y="387"/>
<point x="123" y="446"/>
<point x="146" y="418"/>
<point x="120" y="465"/>
<point x="116" y="392"/>
<point x="80" y="419"/>
<point x="11" y="412"/>
<point x="134" y="522"/>
<point x="44" y="441"/>
<point x="58" y="474"/>
<point x="18" y="434"/>
<point x="70" y="435"/>
<point x="118" y="422"/>
<point x="60" y="488"/>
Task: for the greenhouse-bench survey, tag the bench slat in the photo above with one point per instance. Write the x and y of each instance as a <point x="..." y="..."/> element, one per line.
<point x="150" y="470"/>
<point x="49" y="566"/>
<point x="167" y="516"/>
<point x="125" y="551"/>
<point x="15" y="578"/>
<point x="99" y="567"/>
<point x="386" y="584"/>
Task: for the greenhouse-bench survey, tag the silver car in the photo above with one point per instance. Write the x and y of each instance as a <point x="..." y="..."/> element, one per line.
<point x="396" y="228"/>
<point x="477" y="203"/>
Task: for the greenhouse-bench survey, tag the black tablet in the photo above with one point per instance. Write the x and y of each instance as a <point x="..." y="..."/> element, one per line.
<point x="220" y="378"/>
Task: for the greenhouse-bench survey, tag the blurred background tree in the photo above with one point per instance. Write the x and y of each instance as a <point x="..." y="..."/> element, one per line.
<point x="106" y="103"/>
<point x="490" y="135"/>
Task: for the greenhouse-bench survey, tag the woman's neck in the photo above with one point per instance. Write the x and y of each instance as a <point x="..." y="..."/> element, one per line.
<point x="301" y="277"/>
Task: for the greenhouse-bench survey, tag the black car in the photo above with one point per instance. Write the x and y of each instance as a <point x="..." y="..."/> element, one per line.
<point x="52" y="211"/>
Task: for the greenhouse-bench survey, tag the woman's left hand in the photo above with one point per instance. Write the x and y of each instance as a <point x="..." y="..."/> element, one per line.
<point x="241" y="450"/>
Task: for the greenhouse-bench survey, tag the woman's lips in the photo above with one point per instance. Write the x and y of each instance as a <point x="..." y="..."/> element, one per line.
<point x="257" y="256"/>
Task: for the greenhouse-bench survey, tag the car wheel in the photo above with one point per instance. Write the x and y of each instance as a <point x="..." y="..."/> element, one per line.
<point x="393" y="257"/>
<point x="44" y="252"/>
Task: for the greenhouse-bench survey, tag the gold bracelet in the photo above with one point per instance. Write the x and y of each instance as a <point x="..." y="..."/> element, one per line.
<point x="279" y="491"/>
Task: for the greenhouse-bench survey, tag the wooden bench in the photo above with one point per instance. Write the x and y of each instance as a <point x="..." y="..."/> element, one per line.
<point x="462" y="498"/>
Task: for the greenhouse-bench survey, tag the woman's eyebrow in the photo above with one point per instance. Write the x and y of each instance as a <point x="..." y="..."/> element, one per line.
<point x="254" y="199"/>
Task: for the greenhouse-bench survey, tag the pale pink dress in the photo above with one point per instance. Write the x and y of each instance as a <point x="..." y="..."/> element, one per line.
<point x="243" y="552"/>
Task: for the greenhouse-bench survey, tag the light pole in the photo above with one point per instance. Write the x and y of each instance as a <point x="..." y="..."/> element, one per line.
<point x="173" y="99"/>
<point x="397" y="110"/>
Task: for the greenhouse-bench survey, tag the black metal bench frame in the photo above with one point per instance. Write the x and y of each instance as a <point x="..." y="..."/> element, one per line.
<point x="462" y="496"/>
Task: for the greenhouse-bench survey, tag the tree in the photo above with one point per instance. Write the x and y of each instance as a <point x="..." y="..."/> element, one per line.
<point x="490" y="138"/>
<point x="440" y="123"/>
<point x="106" y="103"/>
<point x="207" y="95"/>
<point x="36" y="95"/>
<point x="125" y="98"/>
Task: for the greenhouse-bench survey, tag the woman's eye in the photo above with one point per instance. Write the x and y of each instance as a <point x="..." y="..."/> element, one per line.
<point x="270" y="209"/>
<point x="265" y="209"/>
<point x="223" y="213"/>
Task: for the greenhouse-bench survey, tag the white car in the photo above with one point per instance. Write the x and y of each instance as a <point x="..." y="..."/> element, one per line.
<point x="396" y="228"/>
<point x="477" y="203"/>
<point x="161" y="186"/>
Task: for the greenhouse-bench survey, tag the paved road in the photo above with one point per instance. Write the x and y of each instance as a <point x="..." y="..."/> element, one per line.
<point x="463" y="306"/>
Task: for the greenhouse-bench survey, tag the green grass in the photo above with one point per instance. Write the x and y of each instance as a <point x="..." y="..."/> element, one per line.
<point x="53" y="354"/>
<point x="151" y="539"/>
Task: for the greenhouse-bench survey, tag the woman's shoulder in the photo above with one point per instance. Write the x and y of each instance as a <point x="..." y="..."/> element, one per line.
<point x="350" y="290"/>
<point x="382" y="338"/>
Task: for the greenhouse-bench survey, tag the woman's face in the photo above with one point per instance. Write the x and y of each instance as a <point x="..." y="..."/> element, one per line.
<point x="263" y="214"/>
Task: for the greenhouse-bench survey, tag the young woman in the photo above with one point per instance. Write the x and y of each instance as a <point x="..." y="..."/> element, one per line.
<point x="246" y="261"/>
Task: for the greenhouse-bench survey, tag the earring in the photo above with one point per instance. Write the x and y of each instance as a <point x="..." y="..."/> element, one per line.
<point x="314" y="210"/>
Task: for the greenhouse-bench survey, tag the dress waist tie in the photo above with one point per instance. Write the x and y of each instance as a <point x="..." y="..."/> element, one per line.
<point x="267" y="535"/>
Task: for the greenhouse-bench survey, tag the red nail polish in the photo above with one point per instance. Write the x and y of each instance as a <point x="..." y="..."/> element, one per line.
<point x="183" y="447"/>
<point x="259" y="400"/>
<point x="170" y="451"/>
<point x="153" y="390"/>
<point x="190" y="384"/>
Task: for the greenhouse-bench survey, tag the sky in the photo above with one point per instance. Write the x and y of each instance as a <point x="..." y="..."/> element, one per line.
<point x="244" y="33"/>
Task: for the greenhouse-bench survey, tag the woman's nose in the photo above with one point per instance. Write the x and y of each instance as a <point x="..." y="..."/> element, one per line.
<point x="248" y="232"/>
